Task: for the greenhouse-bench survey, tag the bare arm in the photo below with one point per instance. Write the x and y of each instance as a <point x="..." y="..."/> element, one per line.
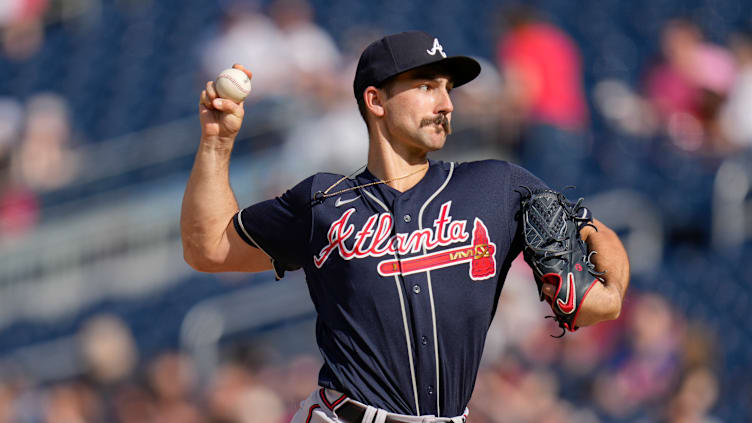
<point x="604" y="300"/>
<point x="210" y="242"/>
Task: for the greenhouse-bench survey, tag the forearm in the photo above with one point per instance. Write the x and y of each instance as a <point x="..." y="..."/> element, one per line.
<point x="605" y="299"/>
<point x="208" y="202"/>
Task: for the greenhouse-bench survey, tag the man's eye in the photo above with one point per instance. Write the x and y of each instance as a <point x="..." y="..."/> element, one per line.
<point x="423" y="87"/>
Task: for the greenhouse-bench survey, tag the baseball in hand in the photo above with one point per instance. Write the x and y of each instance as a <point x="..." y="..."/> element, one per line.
<point x="233" y="84"/>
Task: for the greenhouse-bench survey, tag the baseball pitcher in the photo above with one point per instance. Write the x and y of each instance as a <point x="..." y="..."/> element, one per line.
<point x="406" y="260"/>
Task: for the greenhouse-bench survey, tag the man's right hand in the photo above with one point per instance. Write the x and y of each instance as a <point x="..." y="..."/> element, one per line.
<point x="210" y="241"/>
<point x="220" y="118"/>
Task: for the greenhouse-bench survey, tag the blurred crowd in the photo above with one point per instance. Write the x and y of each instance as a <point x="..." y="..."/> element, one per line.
<point x="529" y="105"/>
<point x="652" y="365"/>
<point x="35" y="157"/>
<point x="693" y="94"/>
<point x="36" y="133"/>
<point x="301" y="77"/>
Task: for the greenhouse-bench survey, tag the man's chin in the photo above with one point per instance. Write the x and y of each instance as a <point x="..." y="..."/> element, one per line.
<point x="431" y="140"/>
<point x="438" y="132"/>
<point x="436" y="144"/>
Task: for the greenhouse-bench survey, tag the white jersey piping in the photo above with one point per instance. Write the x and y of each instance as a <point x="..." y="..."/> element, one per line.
<point x="404" y="317"/>
<point x="430" y="289"/>
<point x="240" y="223"/>
<point x="373" y="197"/>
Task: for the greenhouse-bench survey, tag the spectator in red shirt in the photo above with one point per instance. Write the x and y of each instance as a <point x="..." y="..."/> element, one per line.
<point x="18" y="205"/>
<point x="689" y="85"/>
<point x="542" y="70"/>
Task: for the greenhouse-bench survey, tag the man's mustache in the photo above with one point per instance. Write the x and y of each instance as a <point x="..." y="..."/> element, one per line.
<point x="440" y="119"/>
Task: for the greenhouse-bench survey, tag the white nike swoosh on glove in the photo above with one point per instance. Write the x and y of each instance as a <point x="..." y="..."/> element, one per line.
<point x="341" y="202"/>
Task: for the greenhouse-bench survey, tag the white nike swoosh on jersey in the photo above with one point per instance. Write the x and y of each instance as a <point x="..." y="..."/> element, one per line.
<point x="341" y="202"/>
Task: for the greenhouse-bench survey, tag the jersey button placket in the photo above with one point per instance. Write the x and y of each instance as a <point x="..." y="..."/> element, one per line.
<point x="406" y="221"/>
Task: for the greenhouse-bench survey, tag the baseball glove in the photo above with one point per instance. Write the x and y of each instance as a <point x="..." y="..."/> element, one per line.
<point x="556" y="253"/>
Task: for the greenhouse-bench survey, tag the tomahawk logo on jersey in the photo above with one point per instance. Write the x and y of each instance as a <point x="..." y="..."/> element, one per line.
<point x="418" y="257"/>
<point x="375" y="239"/>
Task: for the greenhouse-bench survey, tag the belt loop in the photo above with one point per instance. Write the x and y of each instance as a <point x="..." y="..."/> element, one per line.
<point x="369" y="414"/>
<point x="380" y="416"/>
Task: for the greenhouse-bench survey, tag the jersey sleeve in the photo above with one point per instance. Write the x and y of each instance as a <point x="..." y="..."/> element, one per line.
<point x="281" y="227"/>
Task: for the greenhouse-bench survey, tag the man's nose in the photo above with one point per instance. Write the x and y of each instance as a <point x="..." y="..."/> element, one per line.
<point x="445" y="105"/>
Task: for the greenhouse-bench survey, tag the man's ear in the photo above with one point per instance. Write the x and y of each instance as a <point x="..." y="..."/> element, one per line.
<point x="374" y="100"/>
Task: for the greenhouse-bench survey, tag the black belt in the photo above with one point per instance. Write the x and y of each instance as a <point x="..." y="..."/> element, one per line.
<point x="350" y="412"/>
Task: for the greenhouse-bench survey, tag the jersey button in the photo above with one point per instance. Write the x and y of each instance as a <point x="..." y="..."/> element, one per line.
<point x="430" y="390"/>
<point x="407" y="218"/>
<point x="416" y="289"/>
<point x="424" y="340"/>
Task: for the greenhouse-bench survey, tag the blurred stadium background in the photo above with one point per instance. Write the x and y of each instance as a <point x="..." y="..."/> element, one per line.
<point x="101" y="321"/>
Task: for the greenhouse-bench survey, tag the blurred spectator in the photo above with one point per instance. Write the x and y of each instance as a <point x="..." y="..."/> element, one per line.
<point x="108" y="349"/>
<point x="7" y="402"/>
<point x="21" y="27"/>
<point x="16" y="10"/>
<point x="697" y="390"/>
<point x="260" y="404"/>
<point x="288" y="54"/>
<point x="46" y="161"/>
<point x="689" y="86"/>
<point x="514" y="393"/>
<point x="72" y="403"/>
<point x="542" y="71"/>
<point x="331" y="135"/>
<point x="625" y="109"/>
<point x="11" y="119"/>
<point x="694" y="398"/>
<point x="646" y="367"/>
<point x="249" y="37"/>
<point x="172" y="377"/>
<point x="18" y="205"/>
<point x="313" y="55"/>
<point x="81" y="15"/>
<point x="133" y="404"/>
<point x="482" y="128"/>
<point x="583" y="354"/>
<point x="335" y="141"/>
<point x="518" y="315"/>
<point x="172" y="380"/>
<point x="300" y="380"/>
<point x="735" y="121"/>
<point x="225" y="392"/>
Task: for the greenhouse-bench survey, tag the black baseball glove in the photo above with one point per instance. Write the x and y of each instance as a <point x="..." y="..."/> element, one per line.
<point x="556" y="253"/>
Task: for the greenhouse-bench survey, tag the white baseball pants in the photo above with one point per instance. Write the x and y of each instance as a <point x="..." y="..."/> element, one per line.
<point x="321" y="407"/>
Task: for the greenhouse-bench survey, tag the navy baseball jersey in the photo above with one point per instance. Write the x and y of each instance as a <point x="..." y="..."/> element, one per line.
<point x="405" y="284"/>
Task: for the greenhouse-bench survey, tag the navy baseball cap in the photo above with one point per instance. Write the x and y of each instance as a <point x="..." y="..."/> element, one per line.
<point x="405" y="51"/>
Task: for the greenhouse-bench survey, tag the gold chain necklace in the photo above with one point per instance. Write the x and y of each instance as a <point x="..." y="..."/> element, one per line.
<point x="320" y="196"/>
